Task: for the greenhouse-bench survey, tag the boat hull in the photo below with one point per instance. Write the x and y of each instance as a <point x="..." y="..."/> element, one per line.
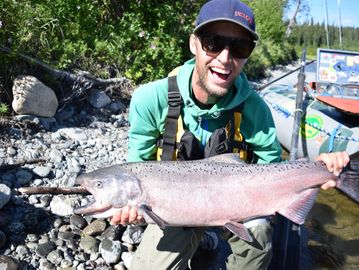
<point x="323" y="130"/>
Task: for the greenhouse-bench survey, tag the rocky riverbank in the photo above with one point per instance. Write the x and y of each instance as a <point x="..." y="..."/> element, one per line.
<point x="39" y="231"/>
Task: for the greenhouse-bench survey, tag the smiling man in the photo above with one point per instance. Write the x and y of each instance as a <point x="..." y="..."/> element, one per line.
<point x="218" y="113"/>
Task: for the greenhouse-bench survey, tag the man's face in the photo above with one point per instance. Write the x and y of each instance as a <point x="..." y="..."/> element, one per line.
<point x="215" y="72"/>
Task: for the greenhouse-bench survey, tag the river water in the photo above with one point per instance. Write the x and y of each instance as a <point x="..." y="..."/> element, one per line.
<point x="332" y="233"/>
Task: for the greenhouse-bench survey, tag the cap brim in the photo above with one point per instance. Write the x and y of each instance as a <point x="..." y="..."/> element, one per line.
<point x="200" y="26"/>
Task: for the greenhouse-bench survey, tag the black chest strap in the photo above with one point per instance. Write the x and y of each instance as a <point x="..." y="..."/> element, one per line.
<point x="174" y="110"/>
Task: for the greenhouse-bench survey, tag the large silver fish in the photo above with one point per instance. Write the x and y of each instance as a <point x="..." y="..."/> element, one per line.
<point x="220" y="191"/>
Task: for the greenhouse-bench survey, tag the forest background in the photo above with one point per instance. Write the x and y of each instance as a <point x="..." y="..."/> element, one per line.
<point x="142" y="40"/>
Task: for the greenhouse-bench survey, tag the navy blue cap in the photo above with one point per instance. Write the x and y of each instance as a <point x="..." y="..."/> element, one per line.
<point x="227" y="10"/>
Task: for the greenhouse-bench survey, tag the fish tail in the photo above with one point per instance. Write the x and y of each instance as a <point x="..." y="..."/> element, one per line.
<point x="349" y="179"/>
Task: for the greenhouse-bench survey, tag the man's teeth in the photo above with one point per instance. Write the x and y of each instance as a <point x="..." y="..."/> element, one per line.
<point x="221" y="71"/>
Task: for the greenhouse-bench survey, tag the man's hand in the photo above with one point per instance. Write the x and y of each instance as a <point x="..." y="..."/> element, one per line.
<point x="127" y="215"/>
<point x="335" y="163"/>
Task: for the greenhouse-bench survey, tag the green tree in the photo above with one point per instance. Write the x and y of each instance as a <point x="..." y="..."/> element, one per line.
<point x="143" y="39"/>
<point x="269" y="14"/>
<point x="273" y="47"/>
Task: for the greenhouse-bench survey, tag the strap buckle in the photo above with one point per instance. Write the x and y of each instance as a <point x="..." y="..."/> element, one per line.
<point x="174" y="99"/>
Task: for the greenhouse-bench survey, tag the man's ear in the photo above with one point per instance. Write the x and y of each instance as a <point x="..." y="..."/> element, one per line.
<point x="192" y="44"/>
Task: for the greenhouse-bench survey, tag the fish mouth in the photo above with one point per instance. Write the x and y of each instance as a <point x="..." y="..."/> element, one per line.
<point x="91" y="208"/>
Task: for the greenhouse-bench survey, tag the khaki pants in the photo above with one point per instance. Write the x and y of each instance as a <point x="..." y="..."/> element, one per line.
<point x="255" y="255"/>
<point x="173" y="248"/>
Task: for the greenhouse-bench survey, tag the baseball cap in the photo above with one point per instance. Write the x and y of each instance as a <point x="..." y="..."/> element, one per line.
<point x="227" y="10"/>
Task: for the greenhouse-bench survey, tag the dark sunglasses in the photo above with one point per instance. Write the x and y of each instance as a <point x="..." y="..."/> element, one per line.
<point x="238" y="47"/>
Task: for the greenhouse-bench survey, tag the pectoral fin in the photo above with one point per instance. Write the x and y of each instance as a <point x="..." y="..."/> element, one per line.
<point x="156" y="219"/>
<point x="239" y="229"/>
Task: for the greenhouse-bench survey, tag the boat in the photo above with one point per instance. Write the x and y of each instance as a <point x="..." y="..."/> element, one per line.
<point x="330" y="111"/>
<point x="315" y="109"/>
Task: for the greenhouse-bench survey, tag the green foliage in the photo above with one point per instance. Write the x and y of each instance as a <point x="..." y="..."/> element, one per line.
<point x="269" y="54"/>
<point x="4" y="109"/>
<point x="268" y="15"/>
<point x="272" y="48"/>
<point x="156" y="39"/>
<point x="143" y="39"/>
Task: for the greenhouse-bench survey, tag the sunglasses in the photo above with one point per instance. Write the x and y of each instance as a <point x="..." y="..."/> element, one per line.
<point x="238" y="47"/>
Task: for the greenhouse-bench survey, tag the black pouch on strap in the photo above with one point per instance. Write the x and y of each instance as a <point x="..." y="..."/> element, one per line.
<point x="189" y="147"/>
<point x="217" y="143"/>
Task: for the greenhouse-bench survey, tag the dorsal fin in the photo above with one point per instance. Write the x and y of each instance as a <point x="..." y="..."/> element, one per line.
<point x="226" y="158"/>
<point x="303" y="159"/>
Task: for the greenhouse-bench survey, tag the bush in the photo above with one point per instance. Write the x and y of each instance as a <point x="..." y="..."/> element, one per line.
<point x="156" y="38"/>
<point x="141" y="39"/>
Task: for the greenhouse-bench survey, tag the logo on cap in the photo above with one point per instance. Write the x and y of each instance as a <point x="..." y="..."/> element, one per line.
<point x="244" y="16"/>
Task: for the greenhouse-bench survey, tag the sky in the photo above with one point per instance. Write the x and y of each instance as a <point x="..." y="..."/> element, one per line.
<point x="349" y="10"/>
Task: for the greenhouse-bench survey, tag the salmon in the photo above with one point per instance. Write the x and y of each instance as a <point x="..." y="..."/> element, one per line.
<point x="219" y="191"/>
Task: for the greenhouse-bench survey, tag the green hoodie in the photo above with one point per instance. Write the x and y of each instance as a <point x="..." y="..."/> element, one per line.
<point x="149" y="107"/>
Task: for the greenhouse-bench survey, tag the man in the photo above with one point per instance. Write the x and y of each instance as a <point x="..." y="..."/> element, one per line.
<point x="212" y="87"/>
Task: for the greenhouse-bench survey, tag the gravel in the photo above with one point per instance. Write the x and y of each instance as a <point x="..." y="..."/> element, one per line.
<point x="41" y="231"/>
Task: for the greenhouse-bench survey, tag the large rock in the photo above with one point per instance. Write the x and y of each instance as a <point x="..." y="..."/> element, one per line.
<point x="62" y="205"/>
<point x="99" y="99"/>
<point x="33" y="97"/>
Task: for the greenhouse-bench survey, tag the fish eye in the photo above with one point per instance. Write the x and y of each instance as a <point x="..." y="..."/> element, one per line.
<point x="99" y="184"/>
